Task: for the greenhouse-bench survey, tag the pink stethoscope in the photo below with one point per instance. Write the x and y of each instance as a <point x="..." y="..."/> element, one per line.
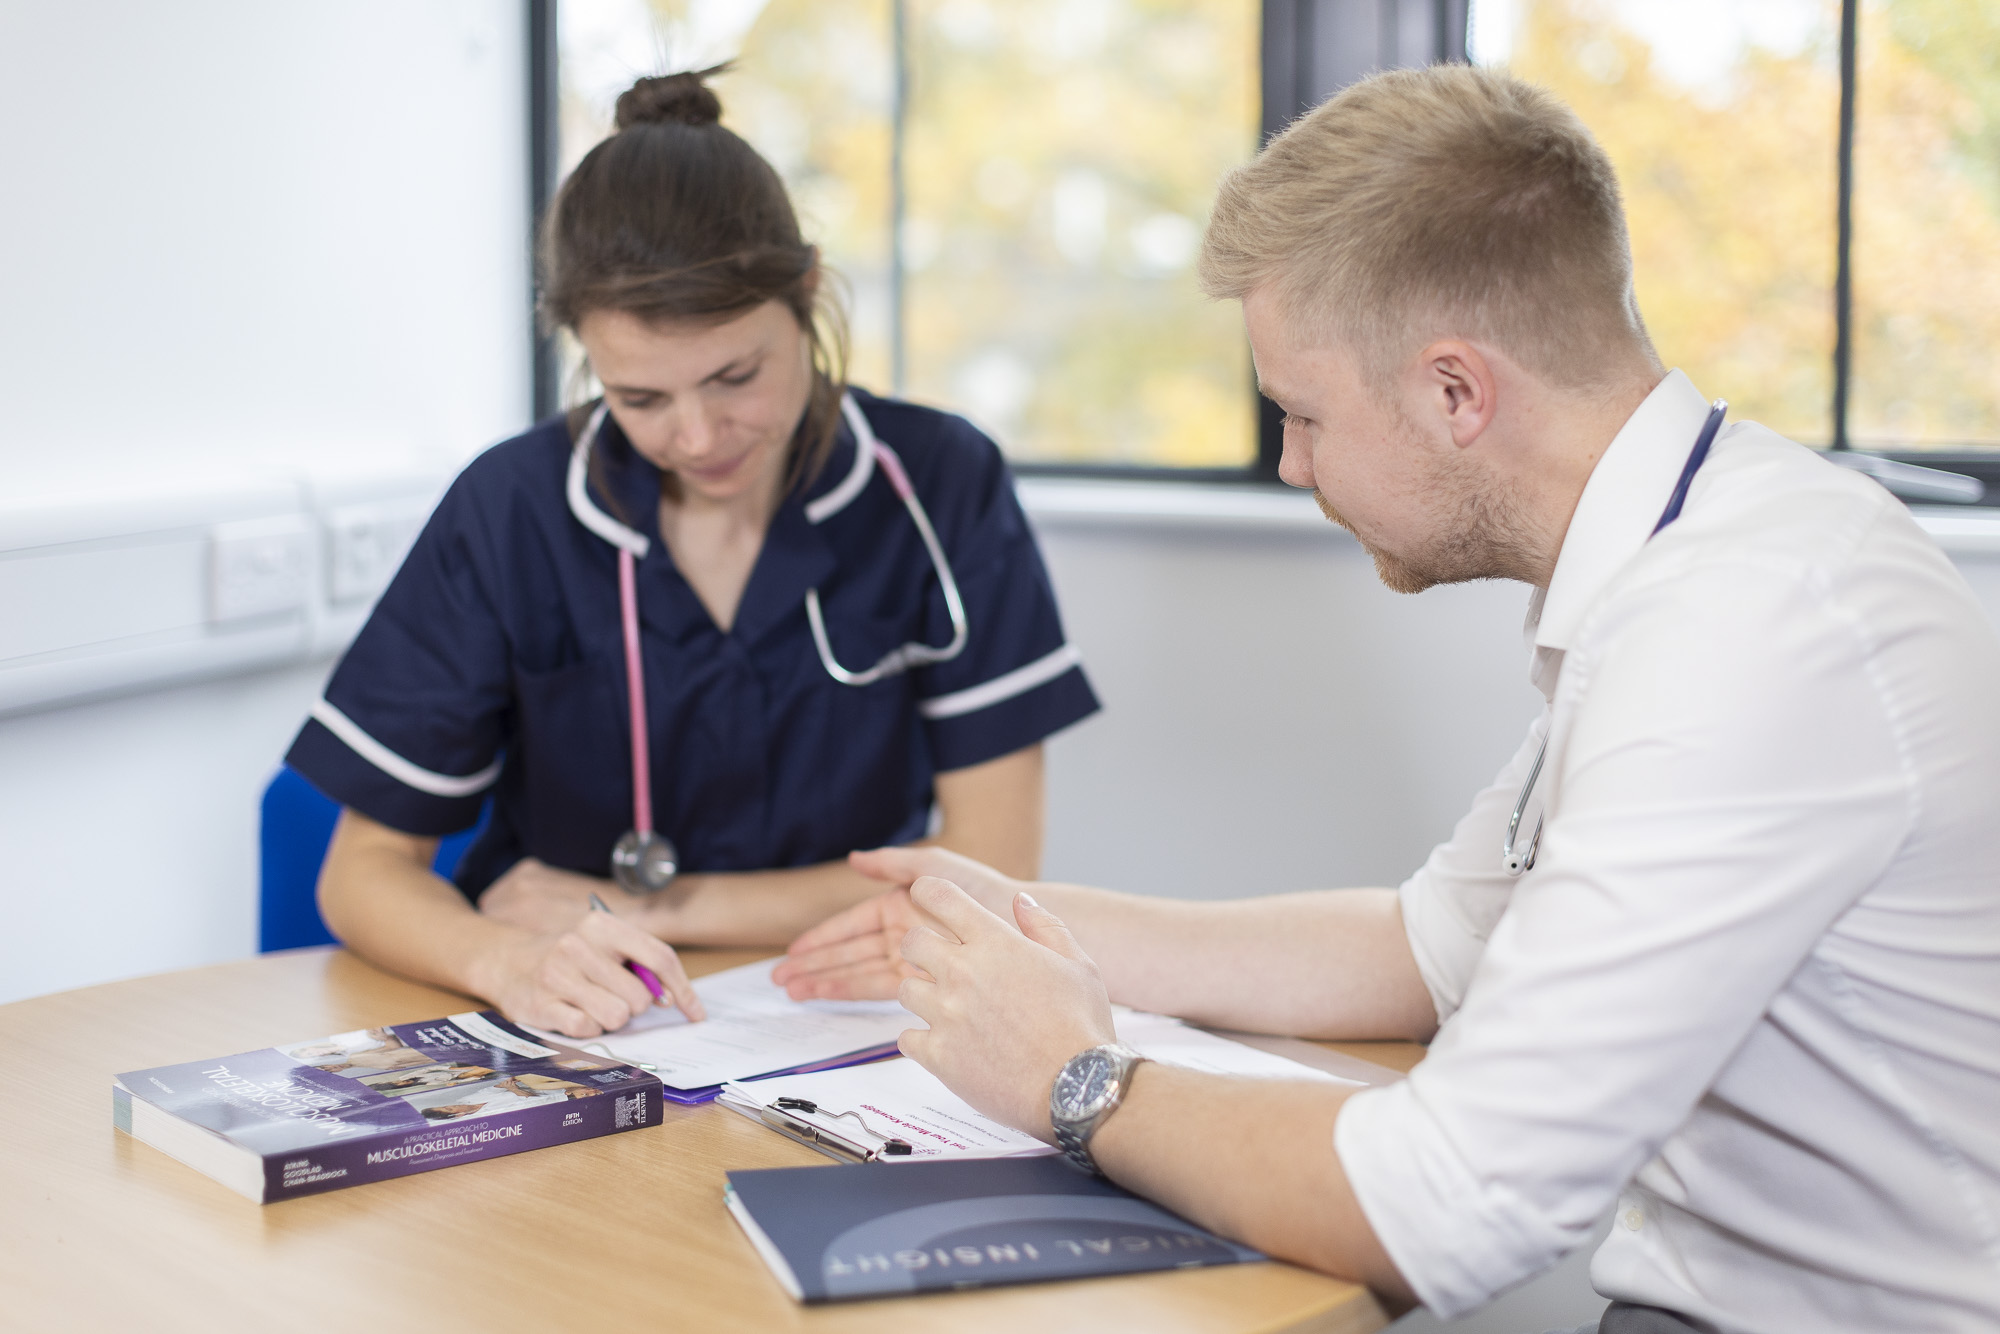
<point x="644" y="860"/>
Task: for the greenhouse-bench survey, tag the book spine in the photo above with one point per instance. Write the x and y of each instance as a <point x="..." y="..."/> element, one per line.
<point x="399" y="1153"/>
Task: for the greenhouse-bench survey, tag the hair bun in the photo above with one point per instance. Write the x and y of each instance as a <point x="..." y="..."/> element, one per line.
<point x="682" y="99"/>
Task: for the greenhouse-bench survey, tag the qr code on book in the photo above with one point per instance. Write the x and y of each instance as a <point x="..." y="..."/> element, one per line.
<point x="628" y="1111"/>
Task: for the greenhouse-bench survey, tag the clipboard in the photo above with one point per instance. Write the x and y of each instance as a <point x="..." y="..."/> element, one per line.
<point x="865" y="1145"/>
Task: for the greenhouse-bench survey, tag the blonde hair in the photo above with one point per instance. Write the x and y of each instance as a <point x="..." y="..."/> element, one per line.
<point x="1427" y="203"/>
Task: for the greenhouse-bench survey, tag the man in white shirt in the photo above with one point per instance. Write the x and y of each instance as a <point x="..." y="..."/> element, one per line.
<point x="1744" y="989"/>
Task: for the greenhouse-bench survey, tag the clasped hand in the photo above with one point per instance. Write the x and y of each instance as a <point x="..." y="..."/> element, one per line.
<point x="1007" y="1007"/>
<point x="857" y="954"/>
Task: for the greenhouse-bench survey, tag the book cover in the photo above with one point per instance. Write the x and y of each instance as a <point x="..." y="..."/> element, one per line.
<point x="380" y="1102"/>
<point x="840" y="1233"/>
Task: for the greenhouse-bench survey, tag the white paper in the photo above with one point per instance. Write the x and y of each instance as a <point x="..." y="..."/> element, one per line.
<point x="900" y="1099"/>
<point x="1174" y="1043"/>
<point x="752" y="1028"/>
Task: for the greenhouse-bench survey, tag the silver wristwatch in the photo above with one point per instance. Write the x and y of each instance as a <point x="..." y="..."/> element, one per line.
<point x="1086" y="1093"/>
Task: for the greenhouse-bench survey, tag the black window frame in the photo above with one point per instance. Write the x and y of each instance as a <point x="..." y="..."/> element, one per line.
<point x="544" y="130"/>
<point x="1983" y="464"/>
<point x="1310" y="49"/>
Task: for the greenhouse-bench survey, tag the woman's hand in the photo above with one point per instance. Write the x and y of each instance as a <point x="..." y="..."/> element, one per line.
<point x="575" y="981"/>
<point x="540" y="898"/>
<point x="852" y="955"/>
<point x="857" y="954"/>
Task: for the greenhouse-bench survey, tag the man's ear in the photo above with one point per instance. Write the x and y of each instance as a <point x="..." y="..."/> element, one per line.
<point x="1458" y="381"/>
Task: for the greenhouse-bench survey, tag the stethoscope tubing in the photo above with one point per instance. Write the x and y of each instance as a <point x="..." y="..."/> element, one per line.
<point x="892" y="663"/>
<point x="909" y="655"/>
<point x="1516" y="860"/>
<point x="635" y="694"/>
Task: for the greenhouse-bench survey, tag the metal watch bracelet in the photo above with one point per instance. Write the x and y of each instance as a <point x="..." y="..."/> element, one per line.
<point x="1073" y="1131"/>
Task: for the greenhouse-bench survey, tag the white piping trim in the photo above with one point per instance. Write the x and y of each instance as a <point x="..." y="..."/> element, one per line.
<point x="394" y="765"/>
<point x="1017" y="682"/>
<point x="587" y="514"/>
<point x="838" y="499"/>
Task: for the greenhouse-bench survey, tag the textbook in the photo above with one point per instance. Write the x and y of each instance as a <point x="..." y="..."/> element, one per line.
<point x="840" y="1233"/>
<point x="379" y="1102"/>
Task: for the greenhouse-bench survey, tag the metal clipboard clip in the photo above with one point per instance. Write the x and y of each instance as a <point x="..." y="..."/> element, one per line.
<point x="834" y="1144"/>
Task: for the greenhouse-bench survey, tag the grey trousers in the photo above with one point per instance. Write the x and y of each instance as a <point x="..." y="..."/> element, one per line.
<point x="1624" y="1318"/>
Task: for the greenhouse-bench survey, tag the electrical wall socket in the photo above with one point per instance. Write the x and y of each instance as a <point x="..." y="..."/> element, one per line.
<point x="366" y="544"/>
<point x="258" y="567"/>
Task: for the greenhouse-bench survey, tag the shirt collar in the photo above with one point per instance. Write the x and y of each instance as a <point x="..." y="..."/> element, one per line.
<point x="795" y="555"/>
<point x="635" y="482"/>
<point x="625" y="474"/>
<point x="1619" y="506"/>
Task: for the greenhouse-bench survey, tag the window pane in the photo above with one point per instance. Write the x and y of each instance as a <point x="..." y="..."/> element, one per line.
<point x="1722" y="119"/>
<point x="1927" y="226"/>
<point x="1062" y="155"/>
<point x="810" y="88"/>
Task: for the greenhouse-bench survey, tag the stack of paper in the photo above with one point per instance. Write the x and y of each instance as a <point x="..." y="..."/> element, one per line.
<point x="753" y="1028"/>
<point x="864" y="1107"/>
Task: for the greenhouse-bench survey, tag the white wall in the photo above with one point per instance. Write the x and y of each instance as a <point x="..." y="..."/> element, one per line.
<point x="245" y="244"/>
<point x="128" y="829"/>
<point x="1275" y="718"/>
<point x="241" y="233"/>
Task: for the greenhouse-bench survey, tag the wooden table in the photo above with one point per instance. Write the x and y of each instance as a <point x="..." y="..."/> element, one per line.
<point x="101" y="1232"/>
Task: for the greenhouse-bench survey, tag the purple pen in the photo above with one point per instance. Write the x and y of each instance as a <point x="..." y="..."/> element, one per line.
<point x="649" y="977"/>
<point x="639" y="970"/>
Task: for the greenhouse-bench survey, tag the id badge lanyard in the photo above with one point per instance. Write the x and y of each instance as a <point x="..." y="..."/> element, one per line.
<point x="1515" y="856"/>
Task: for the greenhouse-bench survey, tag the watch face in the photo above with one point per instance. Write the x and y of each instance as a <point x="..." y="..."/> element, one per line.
<point x="1083" y="1085"/>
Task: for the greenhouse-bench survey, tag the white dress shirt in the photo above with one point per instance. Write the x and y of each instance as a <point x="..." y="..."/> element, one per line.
<point x="1748" y="997"/>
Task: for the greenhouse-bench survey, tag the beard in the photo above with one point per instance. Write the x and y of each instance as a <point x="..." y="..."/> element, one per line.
<point x="1477" y="531"/>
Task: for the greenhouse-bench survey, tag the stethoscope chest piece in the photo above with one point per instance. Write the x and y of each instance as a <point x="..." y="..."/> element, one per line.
<point x="644" y="863"/>
<point x="1517" y="857"/>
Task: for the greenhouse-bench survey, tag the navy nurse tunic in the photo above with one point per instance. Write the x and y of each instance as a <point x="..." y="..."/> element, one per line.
<point x="494" y="663"/>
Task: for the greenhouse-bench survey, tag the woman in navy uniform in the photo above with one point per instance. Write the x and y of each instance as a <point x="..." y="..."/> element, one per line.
<point x="827" y="664"/>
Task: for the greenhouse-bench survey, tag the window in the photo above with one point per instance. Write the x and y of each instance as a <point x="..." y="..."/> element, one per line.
<point x="1813" y="188"/>
<point x="1722" y="120"/>
<point x="1047" y="166"/>
<point x="1926" y="247"/>
<point x="1062" y="154"/>
<point x="1841" y="285"/>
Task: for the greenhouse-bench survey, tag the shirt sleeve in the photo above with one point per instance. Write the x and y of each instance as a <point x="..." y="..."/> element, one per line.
<point x="1451" y="904"/>
<point x="1019" y="679"/>
<point x="1732" y="782"/>
<point x="410" y="728"/>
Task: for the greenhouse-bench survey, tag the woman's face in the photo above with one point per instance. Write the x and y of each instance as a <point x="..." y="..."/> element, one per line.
<point x="714" y="404"/>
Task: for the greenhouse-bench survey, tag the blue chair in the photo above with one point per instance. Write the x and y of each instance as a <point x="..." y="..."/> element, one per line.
<point x="295" y="826"/>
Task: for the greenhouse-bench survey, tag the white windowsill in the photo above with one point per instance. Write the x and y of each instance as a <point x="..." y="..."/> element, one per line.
<point x="1961" y="531"/>
<point x="1091" y="502"/>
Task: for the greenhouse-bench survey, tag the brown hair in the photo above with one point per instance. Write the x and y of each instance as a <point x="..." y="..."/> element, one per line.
<point x="676" y="218"/>
<point x="1425" y="203"/>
